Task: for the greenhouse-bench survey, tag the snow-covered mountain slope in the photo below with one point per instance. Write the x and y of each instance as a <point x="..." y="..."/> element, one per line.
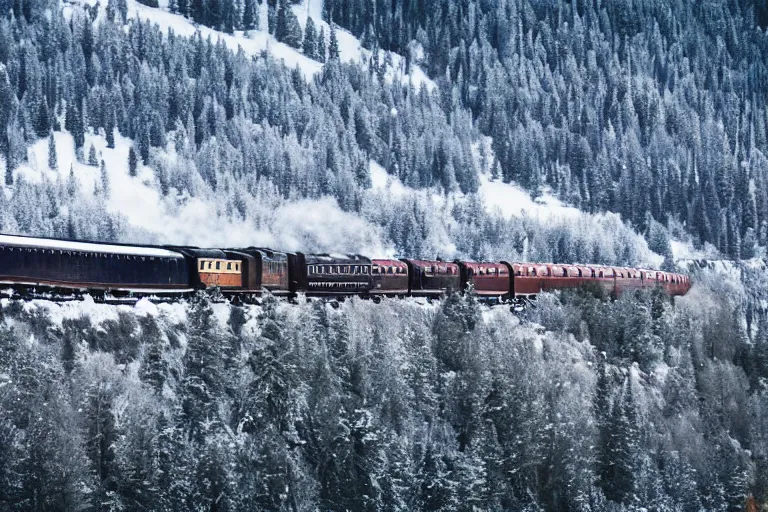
<point x="254" y="42"/>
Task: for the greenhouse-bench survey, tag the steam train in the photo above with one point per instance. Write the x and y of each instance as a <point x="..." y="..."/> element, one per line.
<point x="69" y="268"/>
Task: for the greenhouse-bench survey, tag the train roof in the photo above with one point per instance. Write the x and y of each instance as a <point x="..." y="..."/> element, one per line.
<point x="431" y="263"/>
<point x="388" y="262"/>
<point x="350" y="259"/>
<point x="70" y="245"/>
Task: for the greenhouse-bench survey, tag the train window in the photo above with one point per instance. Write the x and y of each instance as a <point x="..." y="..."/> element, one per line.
<point x="210" y="265"/>
<point x="533" y="271"/>
<point x="365" y="270"/>
<point x="218" y="265"/>
<point x="237" y="266"/>
<point x="374" y="269"/>
<point x="229" y="266"/>
<point x="202" y="265"/>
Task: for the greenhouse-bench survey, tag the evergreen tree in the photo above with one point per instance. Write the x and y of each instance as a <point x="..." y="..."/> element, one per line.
<point x="154" y="366"/>
<point x="320" y="47"/>
<point x="104" y="178"/>
<point x="203" y="372"/>
<point x="92" y="156"/>
<point x="310" y="43"/>
<point x="250" y="15"/>
<point x="133" y="162"/>
<point x="293" y="36"/>
<point x="53" y="159"/>
<point x="109" y="129"/>
<point x="43" y="118"/>
<point x="333" y="46"/>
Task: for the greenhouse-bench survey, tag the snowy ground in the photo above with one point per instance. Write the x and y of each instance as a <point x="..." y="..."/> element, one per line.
<point x="512" y="201"/>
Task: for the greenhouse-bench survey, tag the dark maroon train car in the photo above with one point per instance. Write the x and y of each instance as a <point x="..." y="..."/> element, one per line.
<point x="432" y="278"/>
<point x="390" y="277"/>
<point x="267" y="270"/>
<point x="488" y="280"/>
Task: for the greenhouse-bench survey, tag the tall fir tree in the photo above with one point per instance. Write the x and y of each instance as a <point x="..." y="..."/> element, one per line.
<point x="250" y="15"/>
<point x="333" y="46"/>
<point x="133" y="162"/>
<point x="310" y="43"/>
<point x="53" y="159"/>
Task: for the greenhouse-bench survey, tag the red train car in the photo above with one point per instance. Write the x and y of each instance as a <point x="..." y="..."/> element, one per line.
<point x="489" y="280"/>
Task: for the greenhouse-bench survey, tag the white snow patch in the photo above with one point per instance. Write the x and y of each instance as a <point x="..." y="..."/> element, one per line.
<point x="145" y="307"/>
<point x="685" y="251"/>
<point x="221" y="311"/>
<point x="60" y="311"/>
<point x="512" y="201"/>
<point x="381" y="180"/>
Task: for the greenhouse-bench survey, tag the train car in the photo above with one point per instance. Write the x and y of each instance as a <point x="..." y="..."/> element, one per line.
<point x="270" y="271"/>
<point x="329" y="275"/>
<point x="216" y="268"/>
<point x="627" y="280"/>
<point x="488" y="280"/>
<point x="389" y="277"/>
<point x="526" y="282"/>
<point x="676" y="284"/>
<point x="60" y="264"/>
<point x="432" y="278"/>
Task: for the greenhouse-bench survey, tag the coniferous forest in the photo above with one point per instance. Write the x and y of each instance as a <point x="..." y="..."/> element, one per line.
<point x="651" y="117"/>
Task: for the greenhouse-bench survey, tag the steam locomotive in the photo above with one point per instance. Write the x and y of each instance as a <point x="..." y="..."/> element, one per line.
<point x="46" y="265"/>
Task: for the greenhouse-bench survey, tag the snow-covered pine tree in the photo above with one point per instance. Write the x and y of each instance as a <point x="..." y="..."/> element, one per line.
<point x="250" y="15"/>
<point x="53" y="159"/>
<point x="310" y="37"/>
<point x="92" y="160"/>
<point x="133" y="162"/>
<point x="333" y="46"/>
